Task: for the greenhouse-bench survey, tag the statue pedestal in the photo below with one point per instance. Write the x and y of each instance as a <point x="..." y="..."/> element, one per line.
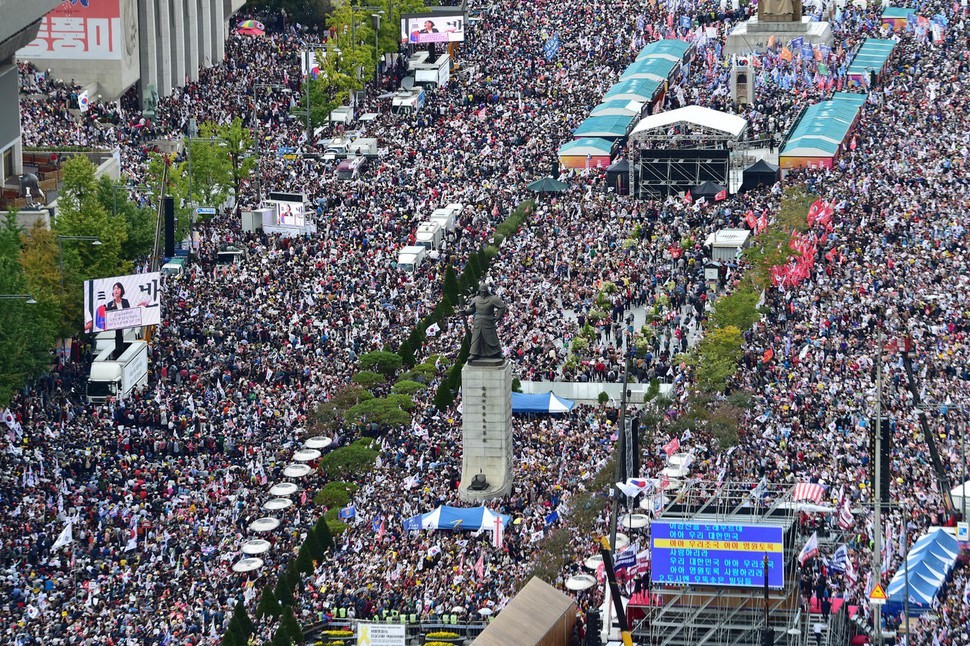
<point x="486" y="428"/>
<point x="753" y="35"/>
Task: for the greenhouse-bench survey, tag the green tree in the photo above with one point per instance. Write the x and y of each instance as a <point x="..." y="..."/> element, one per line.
<point x="26" y="330"/>
<point x="281" y="638"/>
<point x="140" y="222"/>
<point x="368" y="378"/>
<point x="208" y="169"/>
<point x="406" y="352"/>
<point x="290" y="625"/>
<point x="268" y="606"/>
<point x="322" y="530"/>
<point x="39" y="261"/>
<point x="387" y="363"/>
<point x="239" y="161"/>
<point x="349" y="462"/>
<point x="177" y="186"/>
<point x="718" y="354"/>
<point x="408" y="387"/>
<point x="239" y="615"/>
<point x="450" y="289"/>
<point x="739" y="308"/>
<point x="386" y="411"/>
<point x="354" y="40"/>
<point x="82" y="214"/>
<point x="335" y="494"/>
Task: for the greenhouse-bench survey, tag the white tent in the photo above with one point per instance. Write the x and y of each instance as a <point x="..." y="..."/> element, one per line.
<point x="695" y="116"/>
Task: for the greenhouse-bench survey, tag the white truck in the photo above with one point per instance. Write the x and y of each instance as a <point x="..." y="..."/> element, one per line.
<point x="434" y="73"/>
<point x="118" y="377"/>
<point x="430" y="235"/>
<point x="106" y="340"/>
<point x="408" y="102"/>
<point x="446" y="216"/>
<point x="410" y="258"/>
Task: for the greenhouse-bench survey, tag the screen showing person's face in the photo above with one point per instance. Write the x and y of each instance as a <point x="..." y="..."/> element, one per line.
<point x="116" y="291"/>
<point x="428" y="25"/>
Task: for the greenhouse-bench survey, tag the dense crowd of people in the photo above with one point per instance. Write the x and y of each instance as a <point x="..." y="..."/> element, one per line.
<point x="160" y="489"/>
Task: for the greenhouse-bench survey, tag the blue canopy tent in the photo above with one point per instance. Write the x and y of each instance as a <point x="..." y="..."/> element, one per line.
<point x="456" y="518"/>
<point x="930" y="561"/>
<point x="545" y="403"/>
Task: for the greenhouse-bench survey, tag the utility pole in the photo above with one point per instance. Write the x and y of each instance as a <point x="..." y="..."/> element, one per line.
<point x="877" y="470"/>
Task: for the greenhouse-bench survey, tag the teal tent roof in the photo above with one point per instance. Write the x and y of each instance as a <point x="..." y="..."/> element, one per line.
<point x="670" y="49"/>
<point x="634" y="89"/>
<point x="617" y="107"/>
<point x="872" y="55"/>
<point x="823" y="127"/>
<point x="586" y="146"/>
<point x="653" y="69"/>
<point x="897" y="12"/>
<point x="614" y="127"/>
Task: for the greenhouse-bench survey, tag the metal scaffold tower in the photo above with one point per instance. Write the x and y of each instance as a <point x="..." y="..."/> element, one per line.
<point x="718" y="615"/>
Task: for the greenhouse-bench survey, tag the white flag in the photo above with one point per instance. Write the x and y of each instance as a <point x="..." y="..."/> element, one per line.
<point x="67" y="536"/>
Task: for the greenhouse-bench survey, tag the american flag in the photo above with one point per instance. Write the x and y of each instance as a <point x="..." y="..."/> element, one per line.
<point x="809" y="491"/>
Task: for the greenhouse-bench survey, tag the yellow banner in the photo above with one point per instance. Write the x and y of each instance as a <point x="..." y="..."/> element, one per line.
<point x="740" y="546"/>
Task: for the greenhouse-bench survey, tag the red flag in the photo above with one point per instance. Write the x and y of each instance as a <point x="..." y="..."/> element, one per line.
<point x="763" y="222"/>
<point x="479" y="567"/>
<point x="750" y="220"/>
<point x="688" y="198"/>
<point x="720" y="195"/>
<point x="852" y="144"/>
<point x="830" y="256"/>
<point x="769" y="353"/>
<point x="813" y="211"/>
<point x="672" y="446"/>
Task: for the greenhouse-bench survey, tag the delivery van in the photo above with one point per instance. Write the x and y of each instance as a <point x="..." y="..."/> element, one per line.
<point x="411" y="257"/>
<point x="430" y="235"/>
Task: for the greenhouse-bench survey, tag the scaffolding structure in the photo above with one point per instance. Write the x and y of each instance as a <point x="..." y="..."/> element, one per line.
<point x="699" y="615"/>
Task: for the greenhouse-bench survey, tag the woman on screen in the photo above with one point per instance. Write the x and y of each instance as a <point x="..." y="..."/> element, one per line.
<point x="118" y="301"/>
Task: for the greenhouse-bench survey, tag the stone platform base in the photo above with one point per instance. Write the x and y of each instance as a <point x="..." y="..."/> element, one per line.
<point x="753" y="35"/>
<point x="486" y="428"/>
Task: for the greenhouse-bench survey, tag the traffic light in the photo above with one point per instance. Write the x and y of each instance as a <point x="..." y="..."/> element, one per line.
<point x="594" y="624"/>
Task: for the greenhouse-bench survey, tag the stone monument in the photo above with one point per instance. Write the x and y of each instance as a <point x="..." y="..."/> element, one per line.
<point x="778" y="21"/>
<point x="486" y="396"/>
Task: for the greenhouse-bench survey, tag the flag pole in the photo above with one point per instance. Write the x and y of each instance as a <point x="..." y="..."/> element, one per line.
<point x="877" y="502"/>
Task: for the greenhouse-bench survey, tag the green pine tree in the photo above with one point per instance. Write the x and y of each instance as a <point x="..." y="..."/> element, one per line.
<point x="406" y="352"/>
<point x="268" y="606"/>
<point x="322" y="530"/>
<point x="291" y="626"/>
<point x="281" y="638"/>
<point x="450" y="289"/>
<point x="239" y="614"/>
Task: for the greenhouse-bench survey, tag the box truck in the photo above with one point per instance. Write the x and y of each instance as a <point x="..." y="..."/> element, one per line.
<point x="118" y="377"/>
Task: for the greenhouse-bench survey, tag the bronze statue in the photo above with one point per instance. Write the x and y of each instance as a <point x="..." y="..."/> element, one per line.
<point x="779" y="10"/>
<point x="487" y="309"/>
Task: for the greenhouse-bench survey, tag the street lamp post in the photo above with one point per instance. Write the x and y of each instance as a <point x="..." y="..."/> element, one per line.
<point x="18" y="297"/>
<point x="95" y="242"/>
<point x="259" y="136"/>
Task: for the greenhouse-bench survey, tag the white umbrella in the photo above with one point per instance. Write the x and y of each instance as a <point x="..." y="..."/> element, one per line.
<point x="484" y="611"/>
<point x="248" y="564"/>
<point x="276" y="504"/>
<point x="265" y="524"/>
<point x="674" y="472"/>
<point x="622" y="540"/>
<point x="677" y="459"/>
<point x="593" y="562"/>
<point x="318" y="442"/>
<point x="458" y="610"/>
<point x="296" y="471"/>
<point x="255" y="546"/>
<point x="580" y="582"/>
<point x="634" y="521"/>
<point x="283" y="489"/>
<point x="306" y="455"/>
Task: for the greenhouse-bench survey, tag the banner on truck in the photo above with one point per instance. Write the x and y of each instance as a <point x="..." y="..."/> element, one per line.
<point x="419" y="29"/>
<point x="121" y="302"/>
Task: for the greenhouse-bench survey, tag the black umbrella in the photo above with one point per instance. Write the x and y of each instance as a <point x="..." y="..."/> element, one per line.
<point x="548" y="185"/>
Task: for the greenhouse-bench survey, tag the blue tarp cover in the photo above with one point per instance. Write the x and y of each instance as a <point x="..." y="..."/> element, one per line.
<point x="543" y="403"/>
<point x="455" y="518"/>
<point x="930" y="561"/>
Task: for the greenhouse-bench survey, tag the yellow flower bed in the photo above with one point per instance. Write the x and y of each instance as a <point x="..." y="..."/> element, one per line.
<point x="338" y="633"/>
<point x="443" y="634"/>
